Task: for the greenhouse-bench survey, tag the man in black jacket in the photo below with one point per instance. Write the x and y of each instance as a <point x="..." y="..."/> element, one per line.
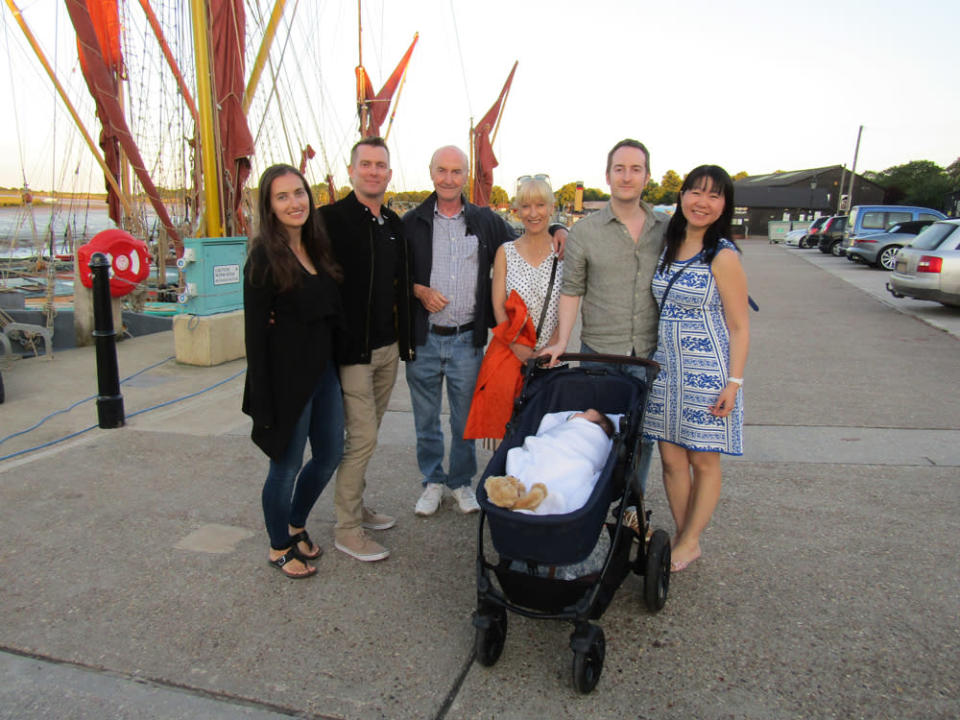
<point x="453" y="244"/>
<point x="369" y="244"/>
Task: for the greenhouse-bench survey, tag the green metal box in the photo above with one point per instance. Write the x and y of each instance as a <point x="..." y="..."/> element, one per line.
<point x="212" y="275"/>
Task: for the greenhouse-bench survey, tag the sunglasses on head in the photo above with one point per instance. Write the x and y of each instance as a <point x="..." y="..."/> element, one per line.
<point x="527" y="178"/>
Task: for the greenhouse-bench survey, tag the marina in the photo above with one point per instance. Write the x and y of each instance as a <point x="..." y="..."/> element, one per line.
<point x="808" y="602"/>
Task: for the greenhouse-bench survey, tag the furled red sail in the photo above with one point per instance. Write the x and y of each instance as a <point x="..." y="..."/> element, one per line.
<point x="106" y="25"/>
<point x="377" y="106"/>
<point x="102" y="84"/>
<point x="228" y="30"/>
<point x="484" y="159"/>
<point x="308" y="153"/>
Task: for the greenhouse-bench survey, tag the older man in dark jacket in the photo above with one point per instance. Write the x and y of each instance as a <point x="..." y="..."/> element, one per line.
<point x="453" y="244"/>
<point x="369" y="244"/>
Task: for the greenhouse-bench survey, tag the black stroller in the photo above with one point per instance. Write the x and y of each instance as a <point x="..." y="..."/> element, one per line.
<point x="531" y="547"/>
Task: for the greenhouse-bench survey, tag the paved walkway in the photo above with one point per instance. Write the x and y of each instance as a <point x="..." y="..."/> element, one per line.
<point x="133" y="581"/>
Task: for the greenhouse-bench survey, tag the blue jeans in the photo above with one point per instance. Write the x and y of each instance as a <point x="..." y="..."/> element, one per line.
<point x="455" y="358"/>
<point x="646" y="445"/>
<point x="288" y="503"/>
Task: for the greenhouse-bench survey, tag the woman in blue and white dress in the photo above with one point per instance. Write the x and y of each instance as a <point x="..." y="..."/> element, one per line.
<point x="695" y="407"/>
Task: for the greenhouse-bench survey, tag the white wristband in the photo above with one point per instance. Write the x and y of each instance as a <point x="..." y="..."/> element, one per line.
<point x="736" y="381"/>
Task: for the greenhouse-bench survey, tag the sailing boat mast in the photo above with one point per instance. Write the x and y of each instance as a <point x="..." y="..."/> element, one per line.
<point x="208" y="154"/>
<point x="361" y="75"/>
<point x="262" y="54"/>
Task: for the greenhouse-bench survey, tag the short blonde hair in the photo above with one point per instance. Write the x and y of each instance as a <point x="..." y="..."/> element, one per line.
<point x="533" y="190"/>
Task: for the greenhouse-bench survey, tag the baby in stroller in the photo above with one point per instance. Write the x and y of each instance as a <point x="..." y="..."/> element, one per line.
<point x="566" y="455"/>
<point x="565" y="458"/>
<point x="543" y="562"/>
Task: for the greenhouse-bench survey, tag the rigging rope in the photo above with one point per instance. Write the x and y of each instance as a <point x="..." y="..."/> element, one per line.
<point x="273" y="89"/>
<point x="463" y="68"/>
<point x="13" y="97"/>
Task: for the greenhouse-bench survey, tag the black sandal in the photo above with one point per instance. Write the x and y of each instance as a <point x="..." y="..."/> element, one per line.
<point x="281" y="564"/>
<point x="304" y="537"/>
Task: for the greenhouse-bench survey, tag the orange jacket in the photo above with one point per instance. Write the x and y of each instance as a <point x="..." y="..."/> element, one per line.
<point x="501" y="374"/>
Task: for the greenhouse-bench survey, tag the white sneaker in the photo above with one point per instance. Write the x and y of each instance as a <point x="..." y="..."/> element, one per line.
<point x="466" y="499"/>
<point x="429" y="501"/>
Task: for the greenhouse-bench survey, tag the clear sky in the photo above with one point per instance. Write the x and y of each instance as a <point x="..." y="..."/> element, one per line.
<point x="748" y="84"/>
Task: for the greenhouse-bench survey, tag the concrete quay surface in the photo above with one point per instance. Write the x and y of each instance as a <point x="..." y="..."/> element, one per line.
<point x="134" y="582"/>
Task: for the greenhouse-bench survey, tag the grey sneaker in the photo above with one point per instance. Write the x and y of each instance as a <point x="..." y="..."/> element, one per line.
<point x="429" y="501"/>
<point x="466" y="499"/>
<point x="372" y="520"/>
<point x="355" y="543"/>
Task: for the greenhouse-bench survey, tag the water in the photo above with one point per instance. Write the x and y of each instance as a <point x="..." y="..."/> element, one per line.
<point x="84" y="221"/>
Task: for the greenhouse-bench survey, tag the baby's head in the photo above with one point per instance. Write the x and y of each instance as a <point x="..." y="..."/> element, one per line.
<point x="597" y="418"/>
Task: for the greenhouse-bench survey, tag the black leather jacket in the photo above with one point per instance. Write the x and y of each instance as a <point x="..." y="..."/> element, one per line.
<point x="491" y="231"/>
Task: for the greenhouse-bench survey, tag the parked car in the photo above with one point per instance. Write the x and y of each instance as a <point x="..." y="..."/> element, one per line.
<point x="831" y="235"/>
<point x="929" y="267"/>
<point x="793" y="237"/>
<point x="869" y="219"/>
<point x="800" y="237"/>
<point x="880" y="249"/>
<point x="811" y="238"/>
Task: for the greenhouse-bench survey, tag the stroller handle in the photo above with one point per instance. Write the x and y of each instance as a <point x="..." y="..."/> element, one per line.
<point x="597" y="357"/>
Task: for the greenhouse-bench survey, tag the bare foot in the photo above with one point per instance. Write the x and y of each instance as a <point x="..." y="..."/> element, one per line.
<point x="681" y="556"/>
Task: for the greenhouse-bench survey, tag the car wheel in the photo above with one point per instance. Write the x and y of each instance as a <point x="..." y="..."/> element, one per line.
<point x="887" y="259"/>
<point x="836" y="249"/>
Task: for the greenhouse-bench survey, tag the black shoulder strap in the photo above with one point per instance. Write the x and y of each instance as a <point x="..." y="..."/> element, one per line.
<point x="546" y="300"/>
<point x="666" y="291"/>
<point x="750" y="301"/>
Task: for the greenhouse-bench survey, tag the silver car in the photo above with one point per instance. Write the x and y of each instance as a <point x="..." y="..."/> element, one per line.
<point x="880" y="249"/>
<point x="793" y="237"/>
<point x="929" y="267"/>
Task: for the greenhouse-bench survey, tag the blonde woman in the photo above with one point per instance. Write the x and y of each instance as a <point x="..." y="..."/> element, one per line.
<point x="530" y="265"/>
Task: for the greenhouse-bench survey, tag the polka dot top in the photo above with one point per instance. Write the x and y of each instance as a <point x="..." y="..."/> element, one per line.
<point x="531" y="284"/>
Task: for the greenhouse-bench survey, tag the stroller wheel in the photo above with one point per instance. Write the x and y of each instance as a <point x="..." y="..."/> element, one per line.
<point x="656" y="581"/>
<point x="589" y="648"/>
<point x="491" y="636"/>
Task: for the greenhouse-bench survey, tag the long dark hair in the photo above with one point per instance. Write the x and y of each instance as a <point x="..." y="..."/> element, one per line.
<point x="272" y="237"/>
<point x="711" y="178"/>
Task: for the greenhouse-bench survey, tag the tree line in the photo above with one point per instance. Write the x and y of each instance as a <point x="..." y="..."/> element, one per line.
<point x="919" y="182"/>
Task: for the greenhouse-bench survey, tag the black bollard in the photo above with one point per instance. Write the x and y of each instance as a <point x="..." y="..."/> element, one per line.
<point x="109" y="400"/>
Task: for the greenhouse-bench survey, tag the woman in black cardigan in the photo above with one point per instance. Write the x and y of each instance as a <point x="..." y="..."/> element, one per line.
<point x="292" y="392"/>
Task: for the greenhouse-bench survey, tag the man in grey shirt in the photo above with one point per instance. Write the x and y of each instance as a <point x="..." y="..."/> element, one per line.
<point x="611" y="257"/>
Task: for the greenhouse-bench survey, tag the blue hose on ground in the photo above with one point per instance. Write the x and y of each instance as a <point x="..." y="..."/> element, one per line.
<point x="92" y="427"/>
<point x="78" y="402"/>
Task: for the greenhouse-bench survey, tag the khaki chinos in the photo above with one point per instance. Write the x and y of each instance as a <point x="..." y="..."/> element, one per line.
<point x="366" y="393"/>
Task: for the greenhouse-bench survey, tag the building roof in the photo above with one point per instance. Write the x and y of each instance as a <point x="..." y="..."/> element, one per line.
<point x="781" y="179"/>
<point x="792" y="189"/>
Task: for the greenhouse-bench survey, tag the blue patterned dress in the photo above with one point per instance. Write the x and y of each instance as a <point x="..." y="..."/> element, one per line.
<point x="693" y="349"/>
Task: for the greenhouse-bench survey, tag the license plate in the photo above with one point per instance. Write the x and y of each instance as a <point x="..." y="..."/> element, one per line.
<point x="901" y="265"/>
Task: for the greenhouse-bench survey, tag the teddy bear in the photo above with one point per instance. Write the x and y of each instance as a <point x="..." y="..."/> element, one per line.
<point x="509" y="492"/>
